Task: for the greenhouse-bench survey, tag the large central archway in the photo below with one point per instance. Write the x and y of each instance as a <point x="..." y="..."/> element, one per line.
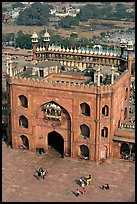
<point x="56" y="141"/>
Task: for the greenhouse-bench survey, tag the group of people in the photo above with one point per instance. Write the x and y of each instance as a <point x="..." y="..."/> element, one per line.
<point x="83" y="181"/>
<point x="87" y="181"/>
<point x="42" y="173"/>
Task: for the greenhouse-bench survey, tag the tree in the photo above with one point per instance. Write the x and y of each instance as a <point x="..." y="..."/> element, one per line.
<point x="23" y="40"/>
<point x="38" y="14"/>
<point x="18" y="5"/>
<point x="68" y="21"/>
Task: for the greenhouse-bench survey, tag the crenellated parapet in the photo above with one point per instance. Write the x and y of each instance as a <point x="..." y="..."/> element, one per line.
<point x="59" y="85"/>
<point x="127" y="125"/>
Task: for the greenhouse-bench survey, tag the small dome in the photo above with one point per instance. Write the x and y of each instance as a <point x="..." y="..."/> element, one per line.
<point x="43" y="48"/>
<point x="79" y="50"/>
<point x="83" y="51"/>
<point x="122" y="41"/>
<point x="130" y="42"/>
<point x="46" y="34"/>
<point x="37" y="49"/>
<point x="75" y="50"/>
<point x="60" y="49"/>
<point x="71" y="50"/>
<point x="40" y="48"/>
<point x="56" y="49"/>
<point x="34" y="35"/>
<point x="87" y="51"/>
<point x="63" y="49"/>
<point x="91" y="51"/>
<point x="111" y="53"/>
<point x="67" y="50"/>
<point x="49" y="48"/>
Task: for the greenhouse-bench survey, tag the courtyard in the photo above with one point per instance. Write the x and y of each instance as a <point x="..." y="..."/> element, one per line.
<point x="20" y="183"/>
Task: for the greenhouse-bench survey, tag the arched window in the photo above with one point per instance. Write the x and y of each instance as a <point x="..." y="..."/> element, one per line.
<point x="105" y="110"/>
<point x="126" y="95"/>
<point x="84" y="151"/>
<point x="85" y="109"/>
<point x="85" y="131"/>
<point x="104" y="132"/>
<point x="23" y="101"/>
<point x="23" y="121"/>
<point x="52" y="111"/>
<point x="25" y="142"/>
<point x="125" y="114"/>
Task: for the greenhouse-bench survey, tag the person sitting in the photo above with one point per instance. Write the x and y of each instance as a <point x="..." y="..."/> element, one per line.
<point x="105" y="186"/>
<point x="78" y="193"/>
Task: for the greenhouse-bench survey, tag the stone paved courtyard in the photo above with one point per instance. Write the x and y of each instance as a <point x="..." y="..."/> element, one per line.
<point x="19" y="182"/>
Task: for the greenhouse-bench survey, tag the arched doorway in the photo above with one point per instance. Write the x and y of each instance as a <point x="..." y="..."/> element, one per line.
<point x="125" y="148"/>
<point x="56" y="141"/>
<point x="25" y="141"/>
<point x="84" y="150"/>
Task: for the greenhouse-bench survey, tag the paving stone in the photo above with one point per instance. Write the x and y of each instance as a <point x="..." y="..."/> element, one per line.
<point x="19" y="183"/>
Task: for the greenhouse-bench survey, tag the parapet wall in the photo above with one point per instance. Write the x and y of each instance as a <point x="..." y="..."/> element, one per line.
<point x="68" y="86"/>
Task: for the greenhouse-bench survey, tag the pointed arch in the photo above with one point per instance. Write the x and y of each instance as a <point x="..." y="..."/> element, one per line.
<point x="85" y="131"/>
<point x="23" y="121"/>
<point x="23" y="101"/>
<point x="85" y="109"/>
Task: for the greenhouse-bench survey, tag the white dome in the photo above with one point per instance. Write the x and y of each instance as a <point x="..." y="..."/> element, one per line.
<point x="63" y="49"/>
<point x="130" y="42"/>
<point x="122" y="41"/>
<point x="49" y="48"/>
<point x="46" y="35"/>
<point x="43" y="48"/>
<point x="75" y="50"/>
<point x="87" y="51"/>
<point x="37" y="49"/>
<point x="71" y="50"/>
<point x="56" y="49"/>
<point x="67" y="50"/>
<point x="91" y="52"/>
<point x="79" y="51"/>
<point x="34" y="35"/>
<point x="83" y="51"/>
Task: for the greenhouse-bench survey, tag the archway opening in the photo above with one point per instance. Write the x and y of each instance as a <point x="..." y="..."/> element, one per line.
<point x="124" y="148"/>
<point x="84" y="150"/>
<point x="25" y="142"/>
<point x="56" y="141"/>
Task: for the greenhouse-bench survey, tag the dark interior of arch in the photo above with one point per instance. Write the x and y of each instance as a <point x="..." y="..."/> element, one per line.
<point x="56" y="141"/>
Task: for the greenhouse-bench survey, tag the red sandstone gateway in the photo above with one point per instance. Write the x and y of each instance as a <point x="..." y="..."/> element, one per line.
<point x="72" y="100"/>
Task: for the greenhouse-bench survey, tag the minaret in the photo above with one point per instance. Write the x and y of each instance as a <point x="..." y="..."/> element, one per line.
<point x="46" y="38"/>
<point x="129" y="56"/>
<point x="122" y="45"/>
<point x="10" y="62"/>
<point x="34" y="42"/>
<point x="98" y="74"/>
<point x="7" y="64"/>
<point x="112" y="74"/>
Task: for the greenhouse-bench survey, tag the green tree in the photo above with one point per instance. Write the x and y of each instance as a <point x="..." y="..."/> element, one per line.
<point x="23" y="40"/>
<point x="69" y="21"/>
<point x="18" y="4"/>
<point x="38" y="14"/>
